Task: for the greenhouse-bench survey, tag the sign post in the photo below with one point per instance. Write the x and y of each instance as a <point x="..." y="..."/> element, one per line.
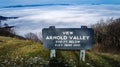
<point x="82" y="52"/>
<point x="52" y="53"/>
<point x="68" y="39"/>
<point x="82" y="55"/>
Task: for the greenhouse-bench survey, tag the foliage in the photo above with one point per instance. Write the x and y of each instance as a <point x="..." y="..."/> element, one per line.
<point x="107" y="37"/>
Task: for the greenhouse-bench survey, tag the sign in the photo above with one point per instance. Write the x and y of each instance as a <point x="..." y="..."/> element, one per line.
<point x="68" y="38"/>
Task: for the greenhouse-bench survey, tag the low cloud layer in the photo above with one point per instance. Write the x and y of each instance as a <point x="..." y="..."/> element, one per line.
<point x="33" y="19"/>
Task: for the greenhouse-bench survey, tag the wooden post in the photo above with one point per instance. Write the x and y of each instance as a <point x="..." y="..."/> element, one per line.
<point x="82" y="55"/>
<point x="82" y="52"/>
<point x="0" y="24"/>
<point x="52" y="53"/>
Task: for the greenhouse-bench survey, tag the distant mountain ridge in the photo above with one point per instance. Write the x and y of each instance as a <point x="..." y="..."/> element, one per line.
<point x="34" y="5"/>
<point x="5" y="18"/>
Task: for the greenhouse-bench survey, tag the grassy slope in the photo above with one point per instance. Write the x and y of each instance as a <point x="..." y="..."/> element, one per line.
<point x="15" y="49"/>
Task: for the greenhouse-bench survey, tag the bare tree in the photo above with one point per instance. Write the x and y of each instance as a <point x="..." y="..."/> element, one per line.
<point x="32" y="36"/>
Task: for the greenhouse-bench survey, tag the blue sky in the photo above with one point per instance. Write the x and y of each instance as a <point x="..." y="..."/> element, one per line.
<point x="28" y="2"/>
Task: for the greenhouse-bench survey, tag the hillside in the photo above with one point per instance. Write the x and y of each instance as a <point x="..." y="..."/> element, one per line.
<point x="16" y="52"/>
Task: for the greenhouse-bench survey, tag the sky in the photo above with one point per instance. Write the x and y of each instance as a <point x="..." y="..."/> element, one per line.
<point x="28" y="2"/>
